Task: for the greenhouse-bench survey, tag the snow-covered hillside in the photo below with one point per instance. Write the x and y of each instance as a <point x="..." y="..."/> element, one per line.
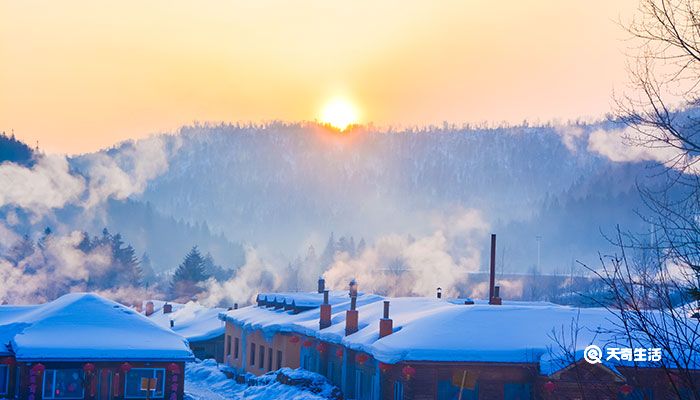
<point x="285" y="186"/>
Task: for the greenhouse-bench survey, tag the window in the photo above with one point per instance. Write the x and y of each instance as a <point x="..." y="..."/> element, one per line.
<point x="261" y="359"/>
<point x="236" y="343"/>
<point x="363" y="385"/>
<point x="398" y="390"/>
<point x="269" y="358"/>
<point x="448" y="390"/>
<point x="4" y="378"/>
<point x="63" y="384"/>
<point x="279" y="359"/>
<point x="132" y="387"/>
<point x="252" y="354"/>
<point x="228" y="345"/>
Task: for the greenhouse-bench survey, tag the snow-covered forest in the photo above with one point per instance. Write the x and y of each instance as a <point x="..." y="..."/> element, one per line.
<point x="276" y="205"/>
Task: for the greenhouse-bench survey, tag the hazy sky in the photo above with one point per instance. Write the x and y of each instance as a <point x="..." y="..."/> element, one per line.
<point x="81" y="75"/>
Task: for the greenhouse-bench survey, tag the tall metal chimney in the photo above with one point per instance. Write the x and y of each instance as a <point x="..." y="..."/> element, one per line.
<point x="321" y="284"/>
<point x="492" y="276"/>
<point x="494" y="293"/>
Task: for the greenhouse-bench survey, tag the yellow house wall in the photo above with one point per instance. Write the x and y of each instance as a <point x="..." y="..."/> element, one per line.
<point x="279" y="342"/>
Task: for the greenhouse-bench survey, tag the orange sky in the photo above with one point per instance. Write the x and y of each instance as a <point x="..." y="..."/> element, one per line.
<point x="81" y="75"/>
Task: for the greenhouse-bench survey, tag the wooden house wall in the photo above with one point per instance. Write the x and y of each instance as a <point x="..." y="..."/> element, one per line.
<point x="21" y="375"/>
<point x="212" y="348"/>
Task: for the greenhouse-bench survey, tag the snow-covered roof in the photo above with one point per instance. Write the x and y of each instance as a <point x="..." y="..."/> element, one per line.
<point x="429" y="329"/>
<point x="192" y="321"/>
<point x="85" y="326"/>
<point x="270" y="320"/>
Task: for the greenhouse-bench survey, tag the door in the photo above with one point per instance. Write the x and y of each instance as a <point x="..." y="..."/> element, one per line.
<point x="104" y="385"/>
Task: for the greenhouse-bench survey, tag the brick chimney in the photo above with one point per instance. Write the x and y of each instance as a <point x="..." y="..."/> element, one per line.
<point x="439" y="293"/>
<point x="167" y="308"/>
<point x="321" y="284"/>
<point x="351" y="315"/>
<point x="149" y="308"/>
<point x="325" y="320"/>
<point x="494" y="292"/>
<point x="386" y="324"/>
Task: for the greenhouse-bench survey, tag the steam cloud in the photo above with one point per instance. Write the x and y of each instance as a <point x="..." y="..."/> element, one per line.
<point x="50" y="184"/>
<point x="59" y="266"/>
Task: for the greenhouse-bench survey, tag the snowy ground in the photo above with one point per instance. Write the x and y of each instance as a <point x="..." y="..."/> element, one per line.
<point x="204" y="381"/>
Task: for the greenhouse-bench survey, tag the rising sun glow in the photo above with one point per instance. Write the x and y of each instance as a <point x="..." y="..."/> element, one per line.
<point x="339" y="113"/>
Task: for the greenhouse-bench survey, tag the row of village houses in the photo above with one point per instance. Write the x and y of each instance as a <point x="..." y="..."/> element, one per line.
<point x="375" y="348"/>
<point x="83" y="346"/>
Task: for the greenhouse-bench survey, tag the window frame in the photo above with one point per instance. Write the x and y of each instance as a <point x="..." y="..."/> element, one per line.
<point x="398" y="390"/>
<point x="155" y="391"/>
<point x="261" y="355"/>
<point x="236" y="347"/>
<point x="7" y="379"/>
<point x="269" y="359"/>
<point x="52" y="393"/>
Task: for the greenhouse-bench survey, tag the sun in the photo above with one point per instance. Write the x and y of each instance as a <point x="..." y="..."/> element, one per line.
<point x="339" y="113"/>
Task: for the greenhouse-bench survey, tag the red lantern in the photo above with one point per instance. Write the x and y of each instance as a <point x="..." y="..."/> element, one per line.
<point x="126" y="367"/>
<point x="38" y="368"/>
<point x="89" y="368"/>
<point x="361" y="358"/>
<point x="384" y="367"/>
<point x="339" y="353"/>
<point x="626" y="389"/>
<point x="409" y="372"/>
<point x="308" y="343"/>
<point x="173" y="368"/>
<point x="321" y="347"/>
<point x="549" y="386"/>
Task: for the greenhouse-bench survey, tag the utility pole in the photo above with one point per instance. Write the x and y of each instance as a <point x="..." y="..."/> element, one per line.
<point x="539" y="240"/>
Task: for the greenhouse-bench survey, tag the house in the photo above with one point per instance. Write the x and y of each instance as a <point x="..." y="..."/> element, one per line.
<point x="433" y="348"/>
<point x="200" y="325"/>
<point x="83" y="346"/>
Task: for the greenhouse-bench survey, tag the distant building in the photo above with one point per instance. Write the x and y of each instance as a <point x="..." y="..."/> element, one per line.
<point x="83" y="346"/>
<point x="198" y="324"/>
<point x="433" y="348"/>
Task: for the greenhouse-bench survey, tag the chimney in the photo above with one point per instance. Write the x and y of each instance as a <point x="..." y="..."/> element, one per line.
<point x="386" y="324"/>
<point x="351" y="315"/>
<point x="325" y="320"/>
<point x="149" y="308"/>
<point x="172" y="324"/>
<point x="235" y="306"/>
<point x="167" y="308"/>
<point x="321" y="284"/>
<point x="439" y="293"/>
<point x="494" y="298"/>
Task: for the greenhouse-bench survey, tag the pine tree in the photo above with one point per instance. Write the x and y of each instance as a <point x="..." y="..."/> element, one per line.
<point x="188" y="276"/>
<point x="328" y="254"/>
<point x="149" y="274"/>
<point x="361" y="247"/>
